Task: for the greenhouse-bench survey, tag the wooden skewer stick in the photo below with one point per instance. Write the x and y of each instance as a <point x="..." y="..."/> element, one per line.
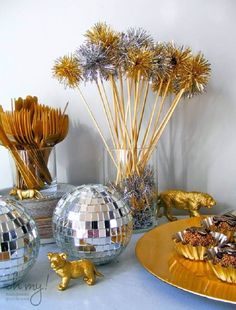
<point x="97" y="126"/>
<point x="134" y="123"/>
<point x="141" y="95"/>
<point x="161" y="104"/>
<point x="169" y="114"/>
<point x="128" y="115"/>
<point x="136" y="98"/>
<point x="106" y="114"/>
<point x="151" y="117"/>
<point x="160" y="109"/>
<point x="143" y="107"/>
<point x="65" y="108"/>
<point x="162" y="127"/>
<point x="110" y="113"/>
<point x="12" y="104"/>
<point x="123" y="126"/>
<point x="117" y="127"/>
<point x="115" y="113"/>
<point x="128" y="111"/>
<point x="125" y="130"/>
<point x="120" y="132"/>
<point x="121" y="91"/>
<point x="118" y="100"/>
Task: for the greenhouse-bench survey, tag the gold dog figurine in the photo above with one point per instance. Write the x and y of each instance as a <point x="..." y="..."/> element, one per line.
<point x="181" y="200"/>
<point x="72" y="270"/>
<point x="26" y="194"/>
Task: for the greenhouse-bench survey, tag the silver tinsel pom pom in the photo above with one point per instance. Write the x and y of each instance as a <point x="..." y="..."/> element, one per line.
<point x="139" y="191"/>
<point x="161" y="63"/>
<point x="139" y="186"/>
<point x="137" y="38"/>
<point x="95" y="61"/>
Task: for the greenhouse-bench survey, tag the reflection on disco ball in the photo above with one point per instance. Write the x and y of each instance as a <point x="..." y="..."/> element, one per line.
<point x="92" y="222"/>
<point x="19" y="242"/>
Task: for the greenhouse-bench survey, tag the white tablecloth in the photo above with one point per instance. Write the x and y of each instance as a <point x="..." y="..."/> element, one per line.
<point x="126" y="285"/>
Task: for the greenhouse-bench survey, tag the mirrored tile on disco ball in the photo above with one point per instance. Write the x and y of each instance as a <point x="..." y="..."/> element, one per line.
<point x="82" y="207"/>
<point x="113" y="223"/>
<point x="105" y="208"/>
<point x="101" y="225"/>
<point x="102" y="233"/>
<point x="95" y="208"/>
<point x="111" y="215"/>
<point x="95" y="216"/>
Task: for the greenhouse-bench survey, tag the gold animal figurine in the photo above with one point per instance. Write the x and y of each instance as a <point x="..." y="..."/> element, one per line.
<point x="181" y="200"/>
<point x="26" y="194"/>
<point x="72" y="270"/>
<point x="86" y="247"/>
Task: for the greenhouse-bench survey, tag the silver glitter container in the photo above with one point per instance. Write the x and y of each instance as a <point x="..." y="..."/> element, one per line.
<point x="92" y="222"/>
<point x="19" y="242"/>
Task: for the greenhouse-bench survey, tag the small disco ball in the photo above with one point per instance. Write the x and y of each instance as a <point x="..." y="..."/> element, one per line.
<point x="19" y="242"/>
<point x="92" y="222"/>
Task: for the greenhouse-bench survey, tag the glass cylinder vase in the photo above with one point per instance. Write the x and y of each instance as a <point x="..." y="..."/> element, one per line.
<point x="34" y="168"/>
<point x="133" y="173"/>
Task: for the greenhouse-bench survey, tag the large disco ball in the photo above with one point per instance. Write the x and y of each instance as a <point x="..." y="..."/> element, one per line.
<point x="19" y="242"/>
<point x="92" y="222"/>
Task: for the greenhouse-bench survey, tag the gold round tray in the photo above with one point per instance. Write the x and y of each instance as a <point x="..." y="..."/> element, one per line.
<point x="156" y="253"/>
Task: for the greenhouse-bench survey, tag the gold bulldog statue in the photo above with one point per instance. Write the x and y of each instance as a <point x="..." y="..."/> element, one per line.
<point x="72" y="270"/>
<point x="26" y="194"/>
<point x="181" y="200"/>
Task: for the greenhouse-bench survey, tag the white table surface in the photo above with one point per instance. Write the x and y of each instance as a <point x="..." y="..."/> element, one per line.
<point x="126" y="285"/>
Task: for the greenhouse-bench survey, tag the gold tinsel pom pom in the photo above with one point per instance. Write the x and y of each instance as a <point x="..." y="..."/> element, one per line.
<point x="177" y="60"/>
<point x="67" y="70"/>
<point x="139" y="62"/>
<point x="179" y="57"/>
<point x="102" y="34"/>
<point x="196" y="75"/>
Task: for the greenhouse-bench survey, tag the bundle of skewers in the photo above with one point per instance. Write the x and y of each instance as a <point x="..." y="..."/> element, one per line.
<point x="29" y="131"/>
<point x="134" y="76"/>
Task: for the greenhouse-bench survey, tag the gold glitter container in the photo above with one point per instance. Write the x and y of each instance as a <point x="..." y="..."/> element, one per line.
<point x="196" y="252"/>
<point x="225" y="224"/>
<point x="223" y="267"/>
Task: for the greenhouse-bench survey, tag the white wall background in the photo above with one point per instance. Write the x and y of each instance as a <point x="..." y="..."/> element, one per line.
<point x="198" y="150"/>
